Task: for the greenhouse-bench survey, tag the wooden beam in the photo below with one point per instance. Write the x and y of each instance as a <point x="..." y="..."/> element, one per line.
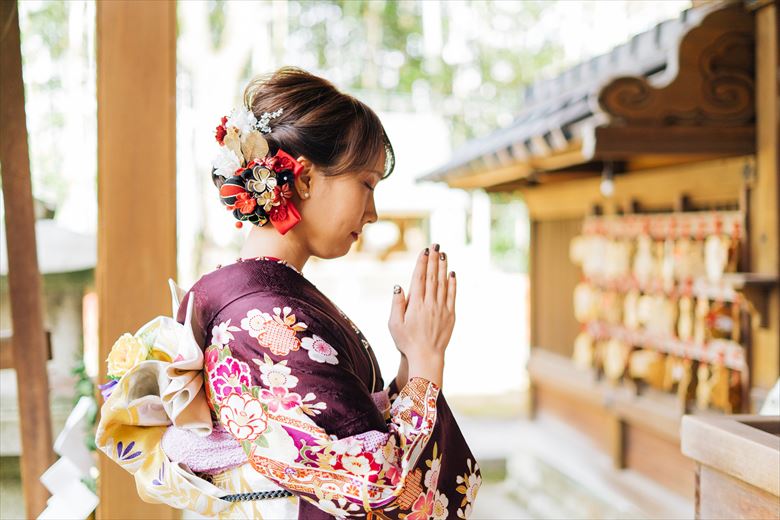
<point x="486" y="177"/>
<point x="24" y="277"/>
<point x="706" y="183"/>
<point x="616" y="142"/>
<point x="136" y="91"/>
<point x="6" y="348"/>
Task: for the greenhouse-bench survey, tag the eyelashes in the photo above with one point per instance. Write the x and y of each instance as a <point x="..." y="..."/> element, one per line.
<point x="367" y="185"/>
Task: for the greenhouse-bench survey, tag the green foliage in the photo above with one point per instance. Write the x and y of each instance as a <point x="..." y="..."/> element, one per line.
<point x="508" y="232"/>
<point x="475" y="77"/>
<point x="85" y="387"/>
<point x="216" y="21"/>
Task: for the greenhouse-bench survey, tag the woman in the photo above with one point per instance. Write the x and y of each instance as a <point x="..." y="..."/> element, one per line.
<point x="303" y="425"/>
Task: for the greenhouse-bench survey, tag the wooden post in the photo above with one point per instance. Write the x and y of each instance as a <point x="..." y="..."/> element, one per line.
<point x="765" y="194"/>
<point x="24" y="278"/>
<point x="136" y="91"/>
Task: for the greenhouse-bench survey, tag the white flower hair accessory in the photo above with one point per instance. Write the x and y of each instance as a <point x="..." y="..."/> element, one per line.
<point x="257" y="188"/>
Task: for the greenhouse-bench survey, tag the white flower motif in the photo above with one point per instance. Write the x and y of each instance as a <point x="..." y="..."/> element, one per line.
<point x="346" y="446"/>
<point x="470" y="484"/>
<point x="243" y="119"/>
<point x="440" y="503"/>
<point x="474" y="482"/>
<point x="275" y="374"/>
<point x="310" y="408"/>
<point x="432" y="475"/>
<point x="320" y="350"/>
<point x="221" y="334"/>
<point x="339" y="512"/>
<point x="254" y="323"/>
<point x="357" y="464"/>
<point x="243" y="416"/>
<point x="226" y="162"/>
<point x="386" y="454"/>
<point x="465" y="512"/>
<point x="401" y="404"/>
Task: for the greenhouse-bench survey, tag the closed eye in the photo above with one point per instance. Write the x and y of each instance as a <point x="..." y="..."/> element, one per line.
<point x="367" y="185"/>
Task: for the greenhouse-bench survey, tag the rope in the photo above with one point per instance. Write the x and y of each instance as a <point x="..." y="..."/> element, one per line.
<point x="258" y="495"/>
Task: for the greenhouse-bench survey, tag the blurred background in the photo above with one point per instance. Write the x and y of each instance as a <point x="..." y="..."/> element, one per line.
<point x="442" y="76"/>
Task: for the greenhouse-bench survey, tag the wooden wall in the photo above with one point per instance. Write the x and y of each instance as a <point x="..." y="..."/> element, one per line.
<point x="557" y="211"/>
<point x="554" y="276"/>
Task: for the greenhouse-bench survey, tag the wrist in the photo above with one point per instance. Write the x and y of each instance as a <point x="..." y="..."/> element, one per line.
<point x="430" y="368"/>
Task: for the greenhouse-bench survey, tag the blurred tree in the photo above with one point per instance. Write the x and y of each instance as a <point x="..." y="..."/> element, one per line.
<point x="466" y="60"/>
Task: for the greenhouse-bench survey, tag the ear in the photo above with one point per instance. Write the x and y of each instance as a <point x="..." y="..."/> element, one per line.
<point x="303" y="182"/>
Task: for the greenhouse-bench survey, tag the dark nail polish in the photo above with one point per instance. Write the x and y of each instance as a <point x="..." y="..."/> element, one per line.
<point x="452" y="274"/>
<point x="397" y="289"/>
<point x="426" y="252"/>
<point x="442" y="256"/>
<point x="436" y="247"/>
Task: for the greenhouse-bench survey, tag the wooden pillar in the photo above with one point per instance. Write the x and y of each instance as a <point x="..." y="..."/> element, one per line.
<point x="765" y="192"/>
<point x="136" y="91"/>
<point x="24" y="278"/>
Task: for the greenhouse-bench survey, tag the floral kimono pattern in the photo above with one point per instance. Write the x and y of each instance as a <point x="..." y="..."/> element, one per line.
<point x="296" y="385"/>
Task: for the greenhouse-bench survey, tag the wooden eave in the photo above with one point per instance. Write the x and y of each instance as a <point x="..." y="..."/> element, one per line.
<point x="680" y="92"/>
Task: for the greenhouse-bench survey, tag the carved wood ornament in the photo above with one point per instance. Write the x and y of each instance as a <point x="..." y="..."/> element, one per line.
<point x="710" y="82"/>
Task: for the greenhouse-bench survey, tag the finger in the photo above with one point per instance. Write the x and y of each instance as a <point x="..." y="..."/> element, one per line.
<point x="452" y="286"/>
<point x="432" y="274"/>
<point x="441" y="294"/>
<point x="417" y="286"/>
<point x="398" y="305"/>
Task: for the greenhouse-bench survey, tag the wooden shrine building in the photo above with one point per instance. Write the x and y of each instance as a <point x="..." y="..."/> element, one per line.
<point x="651" y="178"/>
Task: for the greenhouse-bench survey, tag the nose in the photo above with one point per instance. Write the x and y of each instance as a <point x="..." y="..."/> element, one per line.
<point x="370" y="216"/>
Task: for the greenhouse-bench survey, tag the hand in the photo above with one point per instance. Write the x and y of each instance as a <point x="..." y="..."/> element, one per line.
<point x="421" y="325"/>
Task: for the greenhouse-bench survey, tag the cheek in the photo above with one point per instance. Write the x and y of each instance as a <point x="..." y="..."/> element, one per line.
<point x="338" y="209"/>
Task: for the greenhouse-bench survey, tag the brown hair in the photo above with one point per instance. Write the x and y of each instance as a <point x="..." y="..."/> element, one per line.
<point x="335" y="131"/>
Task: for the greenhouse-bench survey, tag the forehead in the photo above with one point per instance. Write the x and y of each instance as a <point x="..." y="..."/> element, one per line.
<point x="379" y="167"/>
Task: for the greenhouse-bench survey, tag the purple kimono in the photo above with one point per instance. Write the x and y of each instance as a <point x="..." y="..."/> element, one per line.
<point x="297" y="385"/>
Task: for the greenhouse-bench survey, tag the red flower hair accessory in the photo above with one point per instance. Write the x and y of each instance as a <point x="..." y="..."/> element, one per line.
<point x="256" y="187"/>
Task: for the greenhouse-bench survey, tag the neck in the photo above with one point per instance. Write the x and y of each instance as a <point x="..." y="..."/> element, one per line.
<point x="267" y="241"/>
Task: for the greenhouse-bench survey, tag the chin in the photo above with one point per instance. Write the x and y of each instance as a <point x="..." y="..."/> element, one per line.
<point x="335" y="253"/>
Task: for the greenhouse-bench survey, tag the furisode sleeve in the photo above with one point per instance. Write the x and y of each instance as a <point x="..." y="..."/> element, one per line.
<point x="281" y="382"/>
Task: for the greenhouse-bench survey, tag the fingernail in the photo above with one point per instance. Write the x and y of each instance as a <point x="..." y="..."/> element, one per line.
<point x="452" y="274"/>
<point x="442" y="256"/>
<point x="436" y="247"/>
<point x="426" y="252"/>
<point x="396" y="289"/>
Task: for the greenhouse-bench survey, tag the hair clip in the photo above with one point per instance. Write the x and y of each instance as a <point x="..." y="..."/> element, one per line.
<point x="265" y="117"/>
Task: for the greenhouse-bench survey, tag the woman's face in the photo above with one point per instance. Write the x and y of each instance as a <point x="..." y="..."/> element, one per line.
<point x="337" y="209"/>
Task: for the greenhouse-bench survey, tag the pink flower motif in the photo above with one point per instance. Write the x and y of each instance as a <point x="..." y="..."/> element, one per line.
<point x="243" y="416"/>
<point x="228" y="376"/>
<point x="422" y="509"/>
<point x="393" y="475"/>
<point x="212" y="358"/>
<point x="280" y="396"/>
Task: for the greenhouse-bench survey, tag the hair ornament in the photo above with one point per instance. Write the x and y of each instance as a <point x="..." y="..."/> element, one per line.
<point x="255" y="187"/>
<point x="265" y="117"/>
